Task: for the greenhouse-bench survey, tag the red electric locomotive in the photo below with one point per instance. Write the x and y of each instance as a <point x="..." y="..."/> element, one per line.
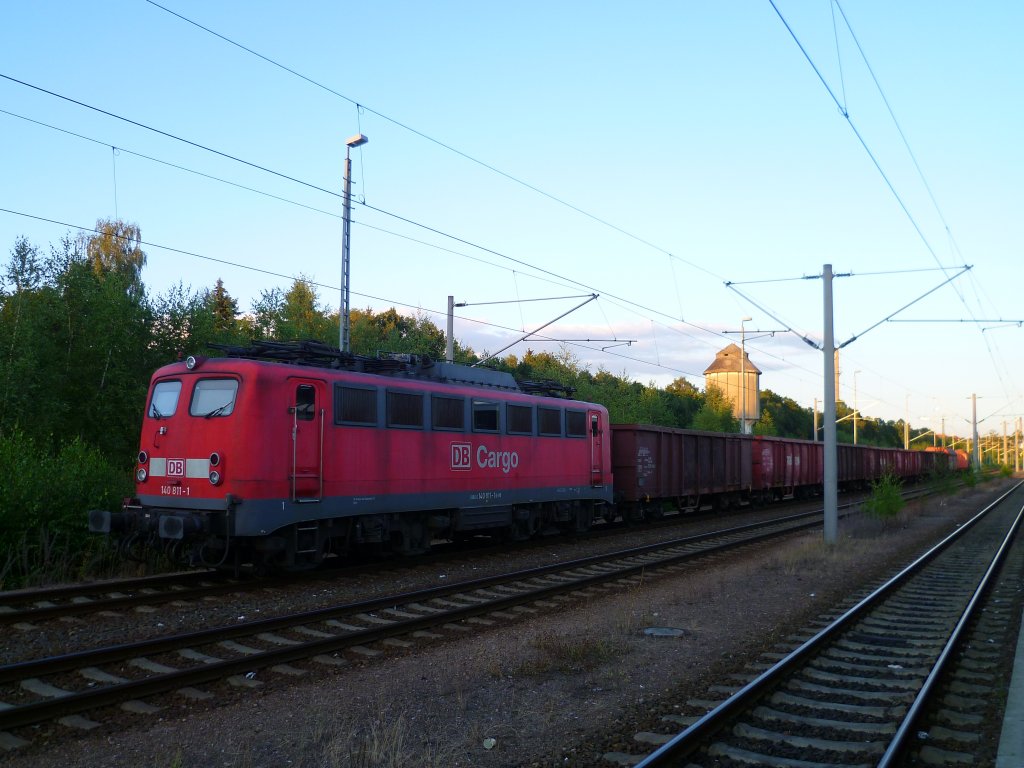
<point x="281" y="454"/>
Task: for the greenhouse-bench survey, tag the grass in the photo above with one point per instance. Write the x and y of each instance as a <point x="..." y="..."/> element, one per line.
<point x="557" y="652"/>
<point x="380" y="740"/>
<point x="857" y="541"/>
<point x="43" y="557"/>
<point x="333" y="739"/>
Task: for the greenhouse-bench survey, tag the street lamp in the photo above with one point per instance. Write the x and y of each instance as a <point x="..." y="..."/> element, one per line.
<point x="743" y="375"/>
<point x="855" y="412"/>
<point x="344" y="342"/>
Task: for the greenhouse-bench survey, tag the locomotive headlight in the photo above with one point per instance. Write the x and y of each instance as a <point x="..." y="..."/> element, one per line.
<point x="141" y="474"/>
<point x="143" y="457"/>
<point x="215" y="477"/>
<point x="215" y="459"/>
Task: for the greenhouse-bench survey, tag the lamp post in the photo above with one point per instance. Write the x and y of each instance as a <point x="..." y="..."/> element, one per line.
<point x="743" y="375"/>
<point x="855" y="413"/>
<point x="344" y="341"/>
<point x="906" y="423"/>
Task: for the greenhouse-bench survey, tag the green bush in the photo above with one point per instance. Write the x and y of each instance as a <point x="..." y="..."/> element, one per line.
<point x="44" y="497"/>
<point x="886" y="497"/>
<point x="942" y="479"/>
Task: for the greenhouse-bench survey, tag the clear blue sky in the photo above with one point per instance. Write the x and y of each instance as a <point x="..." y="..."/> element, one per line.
<point x="679" y="145"/>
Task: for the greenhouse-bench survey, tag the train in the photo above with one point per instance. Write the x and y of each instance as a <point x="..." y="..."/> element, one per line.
<point x="283" y="454"/>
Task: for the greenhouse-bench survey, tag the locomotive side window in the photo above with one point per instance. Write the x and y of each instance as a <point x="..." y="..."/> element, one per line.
<point x="165" y="399"/>
<point x="549" y="422"/>
<point x="405" y="409"/>
<point x="447" y="412"/>
<point x="355" y="405"/>
<point x="305" y="402"/>
<point x="213" y="397"/>
<point x="519" y="419"/>
<point x="485" y="416"/>
<point x="575" y="424"/>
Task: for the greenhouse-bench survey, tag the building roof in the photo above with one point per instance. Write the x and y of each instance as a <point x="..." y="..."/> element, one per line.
<point x="728" y="361"/>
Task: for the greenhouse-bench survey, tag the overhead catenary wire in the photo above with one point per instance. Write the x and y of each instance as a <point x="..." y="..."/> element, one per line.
<point x="359" y="110"/>
<point x="315" y="283"/>
<point x="315" y="187"/>
<point x="361" y="106"/>
<point x="841" y="105"/>
<point x="553" y="275"/>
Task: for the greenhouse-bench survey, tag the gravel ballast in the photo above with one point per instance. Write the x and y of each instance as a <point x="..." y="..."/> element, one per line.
<point x="558" y="688"/>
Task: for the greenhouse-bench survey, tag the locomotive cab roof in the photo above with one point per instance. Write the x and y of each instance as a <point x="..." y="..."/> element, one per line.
<point x="398" y="365"/>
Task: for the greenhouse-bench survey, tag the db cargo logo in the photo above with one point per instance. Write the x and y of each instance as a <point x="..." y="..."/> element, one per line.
<point x="175" y="467"/>
<point x="462" y="456"/>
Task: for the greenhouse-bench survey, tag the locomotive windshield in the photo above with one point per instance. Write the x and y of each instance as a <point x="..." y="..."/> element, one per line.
<point x="213" y="397"/>
<point x="165" y="399"/>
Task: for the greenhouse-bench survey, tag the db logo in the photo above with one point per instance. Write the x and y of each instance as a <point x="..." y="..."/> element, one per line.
<point x="176" y="467"/>
<point x="462" y="456"/>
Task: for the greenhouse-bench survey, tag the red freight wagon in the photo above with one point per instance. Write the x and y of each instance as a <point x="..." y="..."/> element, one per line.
<point x="686" y="467"/>
<point x="783" y="467"/>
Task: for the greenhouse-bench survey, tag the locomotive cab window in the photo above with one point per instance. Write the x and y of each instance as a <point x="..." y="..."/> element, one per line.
<point x="519" y="419"/>
<point x="575" y="424"/>
<point x="213" y="397"/>
<point x="305" y="402"/>
<point x="549" y="422"/>
<point x="355" y="405"/>
<point x="405" y="409"/>
<point x="447" y="413"/>
<point x="485" y="416"/>
<point x="165" y="399"/>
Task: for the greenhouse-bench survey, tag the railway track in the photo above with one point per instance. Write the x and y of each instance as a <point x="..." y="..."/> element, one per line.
<point x="139" y="676"/>
<point x="33" y="605"/>
<point x="862" y="690"/>
<point x="28" y="606"/>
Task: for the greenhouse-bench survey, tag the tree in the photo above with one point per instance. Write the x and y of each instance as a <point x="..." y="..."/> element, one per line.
<point x="301" y="315"/>
<point x="114" y="248"/>
<point x="390" y="331"/>
<point x="684" y="400"/>
<point x="223" y="307"/>
<point x="789" y="419"/>
<point x="178" y="325"/>
<point x="715" y="415"/>
<point x="765" y="425"/>
<point x="267" y="314"/>
<point x="76" y="349"/>
<point x="24" y="271"/>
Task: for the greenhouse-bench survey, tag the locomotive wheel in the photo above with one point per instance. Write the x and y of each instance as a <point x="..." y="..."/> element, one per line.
<point x="526" y="525"/>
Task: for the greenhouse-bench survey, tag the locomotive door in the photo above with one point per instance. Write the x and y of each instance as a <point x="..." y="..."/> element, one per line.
<point x="596" y="449"/>
<point x="307" y="459"/>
